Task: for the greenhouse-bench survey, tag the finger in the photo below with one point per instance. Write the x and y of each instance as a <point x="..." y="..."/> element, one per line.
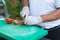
<point x="29" y="21"/>
<point x="26" y="20"/>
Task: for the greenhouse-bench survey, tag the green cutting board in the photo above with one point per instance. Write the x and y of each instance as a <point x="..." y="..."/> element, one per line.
<point x="21" y="32"/>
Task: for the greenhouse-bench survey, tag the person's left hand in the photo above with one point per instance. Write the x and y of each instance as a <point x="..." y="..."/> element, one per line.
<point x="24" y="12"/>
<point x="32" y="20"/>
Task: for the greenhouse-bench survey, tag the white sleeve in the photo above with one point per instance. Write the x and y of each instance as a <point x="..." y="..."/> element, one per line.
<point x="57" y="3"/>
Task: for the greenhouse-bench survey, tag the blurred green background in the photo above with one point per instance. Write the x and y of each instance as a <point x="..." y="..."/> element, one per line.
<point x="14" y="8"/>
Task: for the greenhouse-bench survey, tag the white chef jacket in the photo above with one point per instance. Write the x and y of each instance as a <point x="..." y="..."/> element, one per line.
<point x="42" y="7"/>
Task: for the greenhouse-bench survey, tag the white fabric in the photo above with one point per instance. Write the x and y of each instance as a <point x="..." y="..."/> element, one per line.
<point x="25" y="11"/>
<point x="31" y="20"/>
<point x="57" y="3"/>
<point x="42" y="7"/>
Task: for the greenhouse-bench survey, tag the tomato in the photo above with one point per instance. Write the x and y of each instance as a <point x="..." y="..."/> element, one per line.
<point x="8" y="20"/>
<point x="22" y="22"/>
<point x="15" y="21"/>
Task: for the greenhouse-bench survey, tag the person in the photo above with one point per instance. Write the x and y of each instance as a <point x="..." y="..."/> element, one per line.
<point x="45" y="13"/>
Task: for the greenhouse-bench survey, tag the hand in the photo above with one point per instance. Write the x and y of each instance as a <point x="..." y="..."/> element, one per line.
<point x="32" y="20"/>
<point x="24" y="12"/>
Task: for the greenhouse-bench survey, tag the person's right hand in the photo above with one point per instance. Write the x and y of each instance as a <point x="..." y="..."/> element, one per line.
<point x="24" y="12"/>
